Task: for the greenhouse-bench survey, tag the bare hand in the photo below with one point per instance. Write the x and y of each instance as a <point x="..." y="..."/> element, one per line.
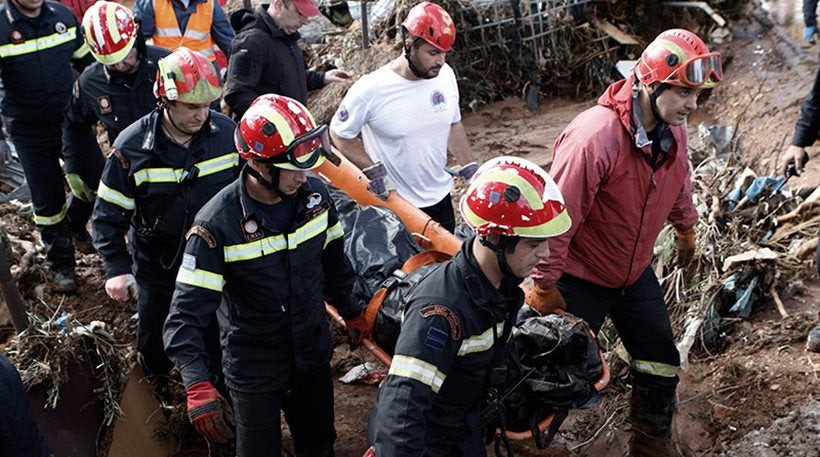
<point x="336" y="76"/>
<point x="119" y="287"/>
<point x="796" y="155"/>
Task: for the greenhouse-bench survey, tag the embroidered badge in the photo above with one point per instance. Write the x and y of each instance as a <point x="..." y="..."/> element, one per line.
<point x="104" y="103"/>
<point x="447" y="313"/>
<point x="60" y="27"/>
<point x="438" y="101"/>
<point x="313" y="200"/>
<point x="16" y="36"/>
<point x="188" y="262"/>
<point x="251" y="230"/>
<point x="343" y="115"/>
<point x="436" y="339"/>
<point x="203" y="233"/>
<point x="317" y="209"/>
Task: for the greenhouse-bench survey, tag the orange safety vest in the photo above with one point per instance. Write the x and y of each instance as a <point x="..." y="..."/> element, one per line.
<point x="197" y="34"/>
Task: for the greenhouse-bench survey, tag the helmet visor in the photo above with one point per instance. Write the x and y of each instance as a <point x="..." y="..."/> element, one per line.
<point x="705" y="71"/>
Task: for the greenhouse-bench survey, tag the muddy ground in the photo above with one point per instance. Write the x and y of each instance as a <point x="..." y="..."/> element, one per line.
<point x="756" y="394"/>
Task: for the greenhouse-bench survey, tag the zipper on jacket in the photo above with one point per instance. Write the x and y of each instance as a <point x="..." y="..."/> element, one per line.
<point x="652" y="186"/>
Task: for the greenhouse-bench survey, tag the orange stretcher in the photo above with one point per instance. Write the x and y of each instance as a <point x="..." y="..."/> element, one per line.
<point x="439" y="244"/>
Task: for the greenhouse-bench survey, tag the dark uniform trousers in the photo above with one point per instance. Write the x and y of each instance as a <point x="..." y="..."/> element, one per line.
<point x="36" y="56"/>
<point x="639" y="314"/>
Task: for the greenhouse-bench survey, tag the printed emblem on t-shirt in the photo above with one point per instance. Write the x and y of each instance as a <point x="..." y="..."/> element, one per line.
<point x="438" y="101"/>
<point x="343" y="115"/>
<point x="60" y="27"/>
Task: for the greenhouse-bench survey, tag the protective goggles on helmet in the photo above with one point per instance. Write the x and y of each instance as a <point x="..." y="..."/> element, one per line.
<point x="304" y="152"/>
<point x="700" y="71"/>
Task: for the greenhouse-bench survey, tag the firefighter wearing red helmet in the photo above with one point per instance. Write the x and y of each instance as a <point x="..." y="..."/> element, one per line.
<point x="398" y="122"/>
<point x="267" y="252"/>
<point x="457" y="320"/>
<point x="162" y="169"/>
<point x="116" y="90"/>
<point x="623" y="181"/>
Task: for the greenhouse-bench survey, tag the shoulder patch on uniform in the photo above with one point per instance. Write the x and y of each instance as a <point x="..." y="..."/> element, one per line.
<point x="436" y="339"/>
<point x="203" y="233"/>
<point x="447" y="313"/>
<point x="124" y="163"/>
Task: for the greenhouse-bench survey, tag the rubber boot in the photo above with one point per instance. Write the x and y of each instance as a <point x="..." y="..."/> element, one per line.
<point x="651" y="409"/>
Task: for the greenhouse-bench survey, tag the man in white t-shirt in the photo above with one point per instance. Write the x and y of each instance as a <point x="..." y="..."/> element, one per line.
<point x="408" y="116"/>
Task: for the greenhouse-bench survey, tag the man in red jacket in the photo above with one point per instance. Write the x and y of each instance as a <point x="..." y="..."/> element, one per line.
<point x="622" y="181"/>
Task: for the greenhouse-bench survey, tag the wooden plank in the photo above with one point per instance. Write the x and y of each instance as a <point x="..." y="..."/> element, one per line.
<point x="133" y="434"/>
<point x="614" y="32"/>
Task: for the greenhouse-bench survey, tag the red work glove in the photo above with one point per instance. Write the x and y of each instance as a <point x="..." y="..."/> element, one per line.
<point x="357" y="329"/>
<point x="685" y="244"/>
<point x="544" y="301"/>
<point x="370" y="452"/>
<point x="209" y="412"/>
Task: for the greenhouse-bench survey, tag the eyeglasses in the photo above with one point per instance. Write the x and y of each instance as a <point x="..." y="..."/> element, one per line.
<point x="705" y="71"/>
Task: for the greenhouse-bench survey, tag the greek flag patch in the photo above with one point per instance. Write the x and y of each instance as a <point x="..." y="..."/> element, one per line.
<point x="436" y="339"/>
<point x="188" y="262"/>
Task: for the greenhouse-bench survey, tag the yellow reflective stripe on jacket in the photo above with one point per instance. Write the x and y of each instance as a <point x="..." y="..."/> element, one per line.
<point x="39" y="44"/>
<point x="50" y="220"/>
<point x="333" y="233"/>
<point x="81" y="51"/>
<point x="201" y="278"/>
<point x="275" y="243"/>
<point x="481" y="342"/>
<point x="311" y="229"/>
<point x="175" y="175"/>
<point x="255" y="249"/>
<point x="655" y="368"/>
<point x="115" y="197"/>
<point x="217" y="164"/>
<point x="413" y="368"/>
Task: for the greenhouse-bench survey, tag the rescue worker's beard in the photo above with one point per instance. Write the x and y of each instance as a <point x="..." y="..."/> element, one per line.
<point x="414" y="68"/>
<point x="272" y="184"/>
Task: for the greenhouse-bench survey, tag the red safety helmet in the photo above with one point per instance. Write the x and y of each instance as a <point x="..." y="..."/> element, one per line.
<point x="680" y="58"/>
<point x="280" y="130"/>
<point x="187" y="76"/>
<point x="432" y="24"/>
<point x="510" y="196"/>
<point x="110" y="31"/>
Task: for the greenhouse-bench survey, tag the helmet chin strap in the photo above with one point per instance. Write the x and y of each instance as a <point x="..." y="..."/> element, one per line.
<point x="505" y="243"/>
<point x="273" y="184"/>
<point x="413" y="68"/>
<point x="653" y="101"/>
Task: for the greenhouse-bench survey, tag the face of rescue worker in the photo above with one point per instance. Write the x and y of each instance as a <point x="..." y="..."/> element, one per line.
<point x="29" y="7"/>
<point x="188" y="117"/>
<point x="127" y="65"/>
<point x="676" y="103"/>
<point x="287" y="17"/>
<point x="427" y="59"/>
<point x="291" y="180"/>
<point x="527" y="253"/>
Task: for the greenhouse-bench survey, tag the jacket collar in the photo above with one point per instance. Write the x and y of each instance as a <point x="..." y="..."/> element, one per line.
<point x="498" y="302"/>
<point x="149" y="139"/>
<point x="251" y="210"/>
<point x="13" y="14"/>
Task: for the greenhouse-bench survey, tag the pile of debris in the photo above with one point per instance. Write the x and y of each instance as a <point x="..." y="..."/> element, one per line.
<point x="754" y="235"/>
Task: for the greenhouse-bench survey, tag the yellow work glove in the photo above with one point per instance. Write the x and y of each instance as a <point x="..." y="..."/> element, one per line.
<point x="544" y="301"/>
<point x="78" y="187"/>
<point x="685" y="244"/>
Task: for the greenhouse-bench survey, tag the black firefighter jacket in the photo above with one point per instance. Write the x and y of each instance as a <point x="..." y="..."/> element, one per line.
<point x="36" y="55"/>
<point x="268" y="287"/>
<point x="156" y="186"/>
<point x="115" y="99"/>
<point x="265" y="60"/>
<point x="453" y="333"/>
